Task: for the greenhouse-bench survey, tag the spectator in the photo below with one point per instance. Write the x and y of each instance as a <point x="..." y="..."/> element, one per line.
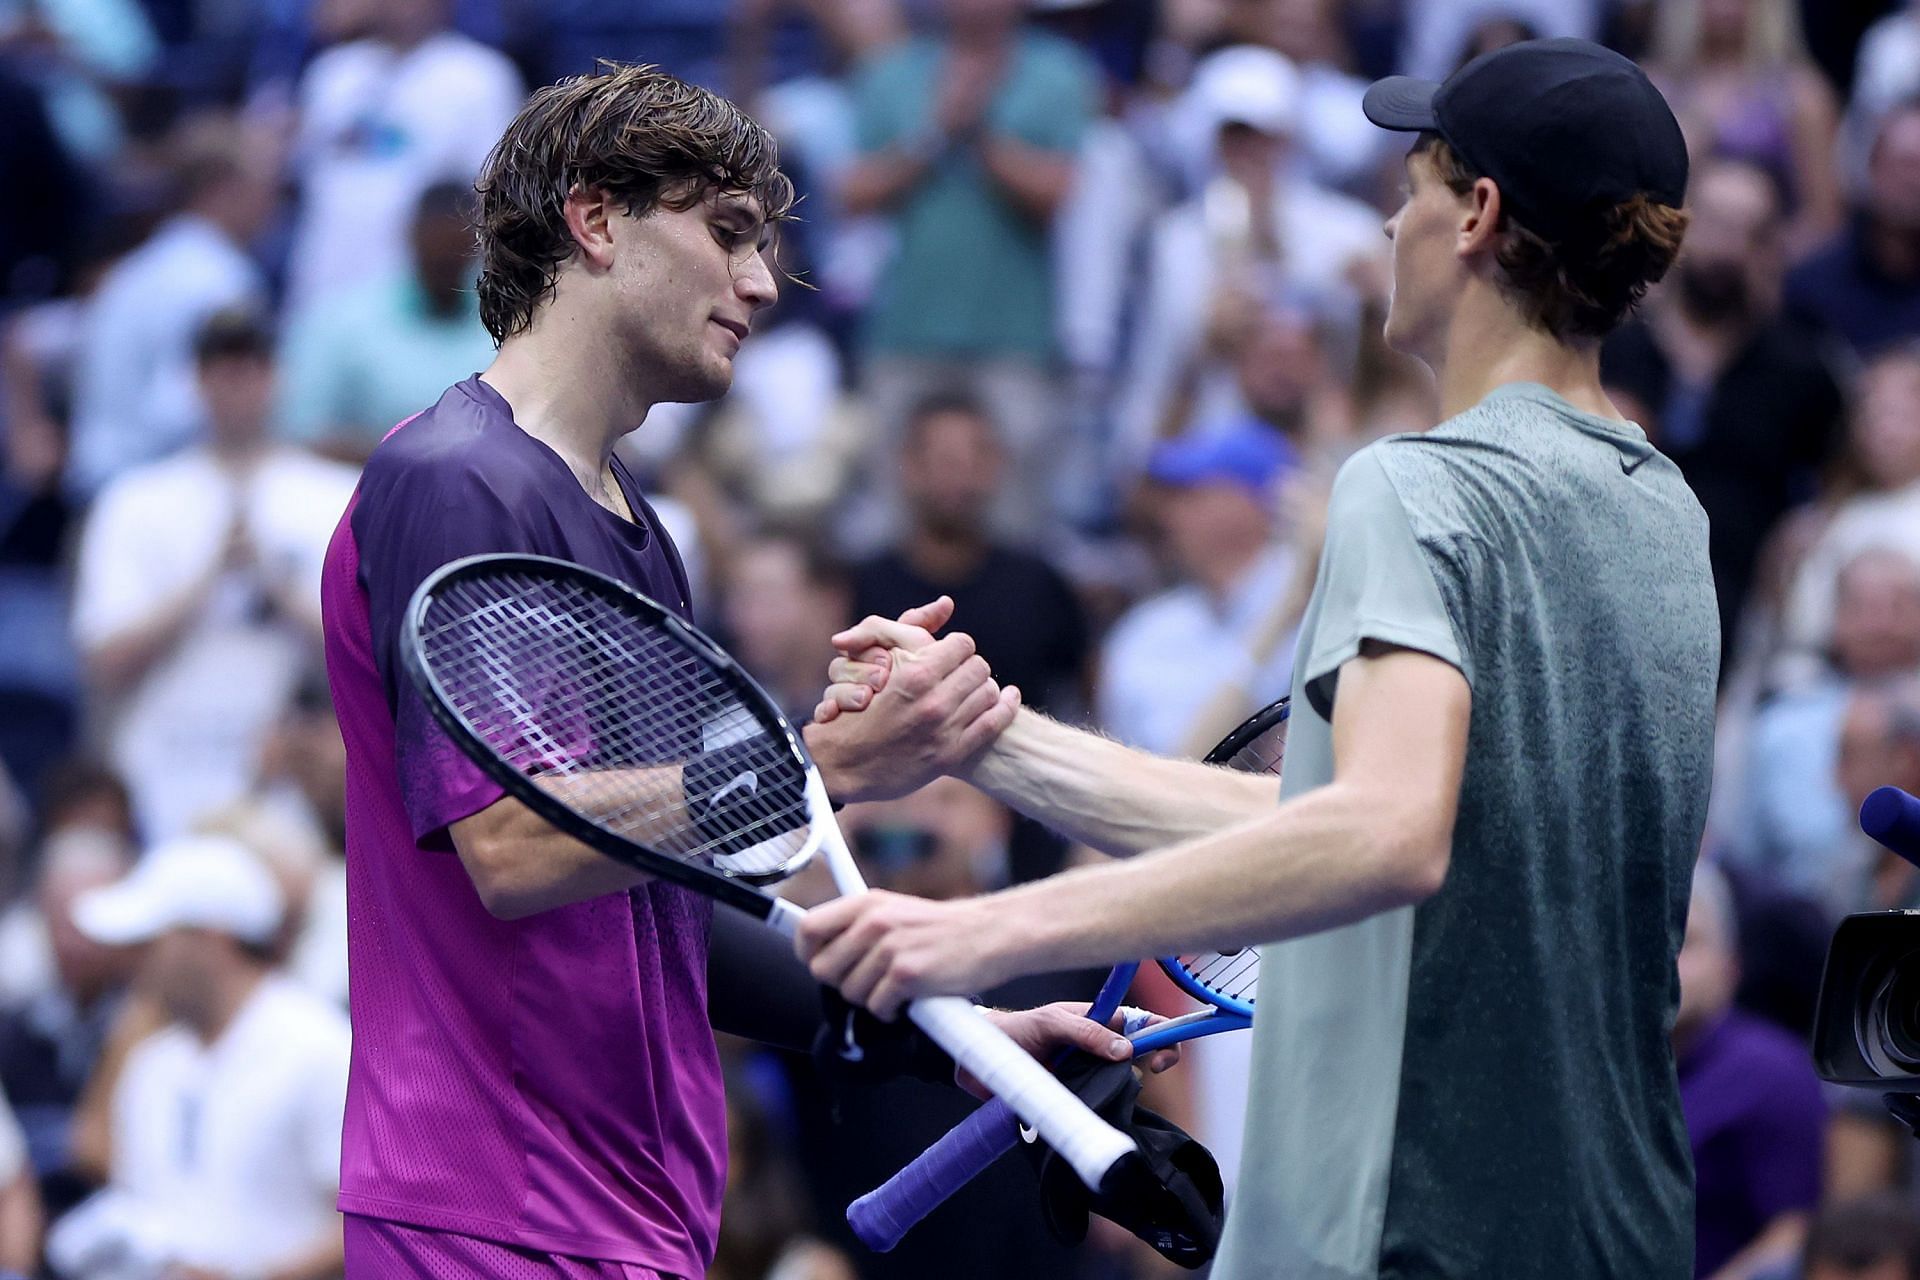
<point x="968" y="139"/>
<point x="1874" y="1237"/>
<point x="197" y="600"/>
<point x="21" y="1218"/>
<point x="382" y="118"/>
<point x="1879" y="505"/>
<point x="1170" y="654"/>
<point x="56" y="1022"/>
<point x="1879" y="746"/>
<point x="1743" y="88"/>
<point x="38" y="231"/>
<point x="81" y="53"/>
<point x="784" y="597"/>
<point x="1257" y="237"/>
<point x="39" y="679"/>
<point x="136" y="396"/>
<point x="763" y="1233"/>
<point x="1864" y="283"/>
<point x="1339" y="150"/>
<point x="303" y="779"/>
<point x="1015" y="604"/>
<point x="1725" y="388"/>
<point x="226" y="1124"/>
<point x="1751" y="1101"/>
<point x="366" y="357"/>
<point x="1438" y="30"/>
<point x="1796" y="817"/>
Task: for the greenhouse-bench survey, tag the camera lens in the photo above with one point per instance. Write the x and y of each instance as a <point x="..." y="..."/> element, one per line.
<point x="1889" y="1025"/>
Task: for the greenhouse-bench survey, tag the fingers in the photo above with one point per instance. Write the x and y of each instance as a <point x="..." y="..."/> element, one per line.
<point x="931" y="616"/>
<point x="869" y="668"/>
<point x="1077" y="1031"/>
<point x="844" y="697"/>
<point x="917" y="673"/>
<point x="1160" y="1060"/>
<point x="886" y="633"/>
<point x="986" y="729"/>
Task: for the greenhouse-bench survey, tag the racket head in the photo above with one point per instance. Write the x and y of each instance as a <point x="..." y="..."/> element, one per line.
<point x="595" y="706"/>
<point x="1231" y="980"/>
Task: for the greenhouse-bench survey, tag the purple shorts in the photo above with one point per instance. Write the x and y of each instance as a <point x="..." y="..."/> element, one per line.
<point x="378" y="1250"/>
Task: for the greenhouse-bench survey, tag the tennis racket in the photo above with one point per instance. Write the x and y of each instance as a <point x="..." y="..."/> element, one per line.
<point x="632" y="732"/>
<point x="1224" y="982"/>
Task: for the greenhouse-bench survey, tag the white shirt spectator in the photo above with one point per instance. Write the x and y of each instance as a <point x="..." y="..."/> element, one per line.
<point x="1170" y="654"/>
<point x="378" y="127"/>
<point x="136" y="398"/>
<point x="13" y="1145"/>
<point x="225" y="1156"/>
<point x="188" y="735"/>
<point x="1321" y="236"/>
<point x="1867" y="522"/>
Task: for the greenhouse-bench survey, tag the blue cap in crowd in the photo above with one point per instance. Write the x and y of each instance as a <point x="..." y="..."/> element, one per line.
<point x="1247" y="453"/>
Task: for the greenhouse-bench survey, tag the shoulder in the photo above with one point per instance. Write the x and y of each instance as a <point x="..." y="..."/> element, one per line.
<point x="897" y="69"/>
<point x="1050" y="55"/>
<point x="454" y="55"/>
<point x="453" y="448"/>
<point x="157" y="487"/>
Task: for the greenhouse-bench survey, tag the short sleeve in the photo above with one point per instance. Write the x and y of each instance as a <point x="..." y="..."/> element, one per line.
<point x="1376" y="582"/>
<point x="409" y="521"/>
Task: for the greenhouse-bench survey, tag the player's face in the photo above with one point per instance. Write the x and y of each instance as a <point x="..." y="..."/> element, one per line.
<point x="689" y="289"/>
<point x="1426" y="270"/>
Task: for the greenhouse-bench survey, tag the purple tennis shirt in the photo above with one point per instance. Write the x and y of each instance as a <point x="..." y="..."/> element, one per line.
<point x="550" y="1082"/>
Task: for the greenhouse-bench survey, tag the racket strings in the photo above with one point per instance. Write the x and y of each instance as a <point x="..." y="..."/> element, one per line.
<point x="1236" y="974"/>
<point x="606" y="710"/>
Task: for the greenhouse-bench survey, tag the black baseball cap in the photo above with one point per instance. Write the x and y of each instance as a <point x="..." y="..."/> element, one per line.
<point x="1565" y="128"/>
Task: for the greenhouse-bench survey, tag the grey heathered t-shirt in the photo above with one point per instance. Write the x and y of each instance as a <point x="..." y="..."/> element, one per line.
<point x="1481" y="1086"/>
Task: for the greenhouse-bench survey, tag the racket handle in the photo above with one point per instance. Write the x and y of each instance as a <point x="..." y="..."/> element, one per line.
<point x="882" y="1216"/>
<point x="1091" y="1145"/>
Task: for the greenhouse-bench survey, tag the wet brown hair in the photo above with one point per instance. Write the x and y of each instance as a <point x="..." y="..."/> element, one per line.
<point x="1579" y="291"/>
<point x="644" y="137"/>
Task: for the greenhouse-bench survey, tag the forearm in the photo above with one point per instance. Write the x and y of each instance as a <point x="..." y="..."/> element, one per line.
<point x="1115" y="798"/>
<point x="1779" y="1243"/>
<point x="522" y="865"/>
<point x="120" y="660"/>
<point x="880" y="180"/>
<point x="323" y="1260"/>
<point x="1325" y="859"/>
<point x="1035" y="179"/>
<point x="21" y="1224"/>
<point x="756" y="987"/>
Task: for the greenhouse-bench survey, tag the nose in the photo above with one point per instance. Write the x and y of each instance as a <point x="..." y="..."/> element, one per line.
<point x="756" y="286"/>
<point x="1392" y="225"/>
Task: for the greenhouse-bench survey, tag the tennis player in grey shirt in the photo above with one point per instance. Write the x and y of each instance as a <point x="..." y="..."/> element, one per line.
<point x="1473" y="890"/>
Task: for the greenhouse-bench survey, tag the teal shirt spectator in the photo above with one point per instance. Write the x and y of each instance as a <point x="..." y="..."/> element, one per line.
<point x="972" y="275"/>
<point x="367" y="357"/>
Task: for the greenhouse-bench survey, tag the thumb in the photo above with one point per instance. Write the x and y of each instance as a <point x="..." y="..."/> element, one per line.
<point x="933" y="615"/>
<point x="1090" y="1037"/>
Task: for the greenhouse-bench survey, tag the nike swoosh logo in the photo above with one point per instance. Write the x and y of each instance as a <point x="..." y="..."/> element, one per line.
<point x="748" y="781"/>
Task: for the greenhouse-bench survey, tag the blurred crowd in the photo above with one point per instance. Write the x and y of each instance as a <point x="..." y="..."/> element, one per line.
<point x="1081" y="314"/>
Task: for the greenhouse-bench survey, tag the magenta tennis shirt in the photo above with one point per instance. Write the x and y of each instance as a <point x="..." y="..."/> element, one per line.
<point x="550" y="1082"/>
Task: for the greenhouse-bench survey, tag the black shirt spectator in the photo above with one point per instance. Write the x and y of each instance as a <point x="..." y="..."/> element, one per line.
<point x="1740" y="400"/>
<point x="1020" y="610"/>
<point x="1864" y="285"/>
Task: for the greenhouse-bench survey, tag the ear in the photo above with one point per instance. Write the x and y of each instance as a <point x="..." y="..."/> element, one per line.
<point x="1480" y="220"/>
<point x="590" y="212"/>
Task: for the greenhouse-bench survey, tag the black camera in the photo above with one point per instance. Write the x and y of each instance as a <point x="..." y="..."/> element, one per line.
<point x="1866" y="1027"/>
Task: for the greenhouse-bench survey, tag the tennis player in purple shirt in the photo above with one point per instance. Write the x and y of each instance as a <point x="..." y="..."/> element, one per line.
<point x="535" y="1089"/>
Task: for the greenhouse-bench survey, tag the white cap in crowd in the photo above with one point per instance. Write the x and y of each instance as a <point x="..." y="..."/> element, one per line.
<point x="1250" y="85"/>
<point x="201" y="882"/>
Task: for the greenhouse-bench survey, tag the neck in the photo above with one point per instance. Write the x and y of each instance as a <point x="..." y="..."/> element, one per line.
<point x="1895" y="249"/>
<point x="570" y="387"/>
<point x="944" y="557"/>
<point x="1222" y="575"/>
<point x="229" y="992"/>
<point x="241" y="452"/>
<point x="1489" y="346"/>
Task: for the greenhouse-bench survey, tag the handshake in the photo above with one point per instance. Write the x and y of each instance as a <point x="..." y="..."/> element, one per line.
<point x="904" y="708"/>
